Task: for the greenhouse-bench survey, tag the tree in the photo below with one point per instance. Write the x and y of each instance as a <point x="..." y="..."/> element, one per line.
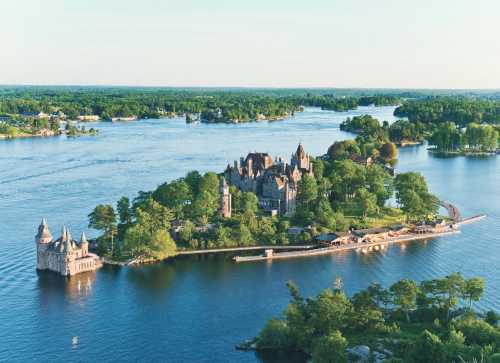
<point x="249" y="202"/>
<point x="428" y="348"/>
<point x="413" y="196"/>
<point x="103" y="217"/>
<point x="367" y="202"/>
<point x="473" y="289"/>
<point x="388" y="151"/>
<point x="329" y="312"/>
<point x="123" y="208"/>
<point x="330" y="349"/>
<point x="162" y="245"/>
<point x="404" y="293"/>
<point x="186" y="232"/>
<point x="154" y="216"/>
<point x="325" y="215"/>
<point x="307" y="190"/>
<point x="244" y="235"/>
<point x="275" y="335"/>
<point x="205" y="206"/>
<point x="175" y="195"/>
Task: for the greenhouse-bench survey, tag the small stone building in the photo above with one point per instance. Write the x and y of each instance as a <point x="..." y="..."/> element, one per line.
<point x="63" y="255"/>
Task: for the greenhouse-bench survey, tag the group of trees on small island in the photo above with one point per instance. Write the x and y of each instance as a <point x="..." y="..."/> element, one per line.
<point x="343" y="193"/>
<point x="430" y="322"/>
<point x="459" y="110"/>
<point x="445" y="136"/>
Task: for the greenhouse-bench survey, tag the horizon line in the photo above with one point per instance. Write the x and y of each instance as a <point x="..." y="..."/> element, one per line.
<point x="2" y="85"/>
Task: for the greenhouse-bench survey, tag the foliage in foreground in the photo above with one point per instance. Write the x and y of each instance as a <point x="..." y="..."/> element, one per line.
<point x="429" y="322"/>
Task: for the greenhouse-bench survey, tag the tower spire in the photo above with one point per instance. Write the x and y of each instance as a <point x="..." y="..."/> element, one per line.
<point x="43" y="235"/>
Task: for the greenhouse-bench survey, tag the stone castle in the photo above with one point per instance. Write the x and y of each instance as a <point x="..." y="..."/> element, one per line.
<point x="274" y="182"/>
<point x="63" y="255"/>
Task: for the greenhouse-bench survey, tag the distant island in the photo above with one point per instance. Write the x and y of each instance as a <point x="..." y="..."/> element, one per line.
<point x="40" y="125"/>
<point x="443" y="137"/>
<point x="87" y="104"/>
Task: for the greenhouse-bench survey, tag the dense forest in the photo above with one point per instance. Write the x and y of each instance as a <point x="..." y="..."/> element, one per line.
<point x="432" y="321"/>
<point x="460" y="110"/>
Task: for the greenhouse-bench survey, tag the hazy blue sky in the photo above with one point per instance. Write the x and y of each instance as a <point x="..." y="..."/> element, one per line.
<point x="275" y="43"/>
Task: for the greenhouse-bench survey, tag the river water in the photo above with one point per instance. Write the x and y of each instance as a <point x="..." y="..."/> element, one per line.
<point x="196" y="309"/>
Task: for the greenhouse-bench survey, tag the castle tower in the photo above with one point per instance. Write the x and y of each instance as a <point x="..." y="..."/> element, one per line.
<point x="42" y="240"/>
<point x="301" y="159"/>
<point x="225" y="201"/>
<point x="84" y="245"/>
<point x="43" y="236"/>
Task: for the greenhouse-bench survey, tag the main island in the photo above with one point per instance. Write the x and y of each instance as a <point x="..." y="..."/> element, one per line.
<point x="303" y="207"/>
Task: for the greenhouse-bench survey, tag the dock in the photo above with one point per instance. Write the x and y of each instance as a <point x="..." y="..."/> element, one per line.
<point x="363" y="247"/>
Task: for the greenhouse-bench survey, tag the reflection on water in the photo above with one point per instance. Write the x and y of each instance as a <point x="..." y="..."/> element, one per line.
<point x="154" y="277"/>
<point x="52" y="285"/>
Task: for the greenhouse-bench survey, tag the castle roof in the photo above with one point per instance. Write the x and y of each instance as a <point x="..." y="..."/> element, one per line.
<point x="83" y="239"/>
<point x="43" y="230"/>
<point x="300" y="151"/>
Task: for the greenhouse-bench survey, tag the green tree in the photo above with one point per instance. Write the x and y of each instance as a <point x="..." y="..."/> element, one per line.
<point x="428" y="348"/>
<point x="404" y="293"/>
<point x="413" y="196"/>
<point x="103" y="218"/>
<point x="388" y="151"/>
<point x="367" y="202"/>
<point x="307" y="190"/>
<point x="473" y="289"/>
<point x="330" y="349"/>
<point x="123" y="208"/>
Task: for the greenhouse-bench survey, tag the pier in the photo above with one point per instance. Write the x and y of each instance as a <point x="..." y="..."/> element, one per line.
<point x="250" y="248"/>
<point x="347" y="247"/>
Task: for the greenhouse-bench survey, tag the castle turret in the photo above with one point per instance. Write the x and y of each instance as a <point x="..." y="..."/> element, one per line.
<point x="84" y="244"/>
<point x="66" y="241"/>
<point x="43" y="236"/>
<point x="225" y="199"/>
<point x="42" y="239"/>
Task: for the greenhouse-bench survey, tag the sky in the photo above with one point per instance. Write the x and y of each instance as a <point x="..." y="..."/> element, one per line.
<point x="252" y="43"/>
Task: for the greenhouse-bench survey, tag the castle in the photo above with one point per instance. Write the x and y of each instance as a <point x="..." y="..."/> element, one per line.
<point x="274" y="182"/>
<point x="63" y="255"/>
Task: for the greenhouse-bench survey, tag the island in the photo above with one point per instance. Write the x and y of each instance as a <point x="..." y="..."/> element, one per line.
<point x="41" y="125"/>
<point x="456" y="125"/>
<point x="444" y="137"/>
<point x="265" y="202"/>
<point x="432" y="321"/>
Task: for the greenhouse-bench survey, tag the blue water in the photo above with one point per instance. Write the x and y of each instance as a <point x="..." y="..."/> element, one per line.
<point x="196" y="309"/>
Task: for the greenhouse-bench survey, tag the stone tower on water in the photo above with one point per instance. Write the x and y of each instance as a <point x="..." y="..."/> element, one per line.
<point x="63" y="255"/>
